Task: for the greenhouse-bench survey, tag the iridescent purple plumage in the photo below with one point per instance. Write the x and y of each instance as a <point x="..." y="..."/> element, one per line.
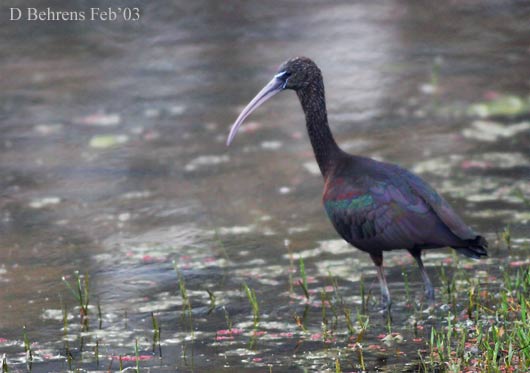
<point x="400" y="210"/>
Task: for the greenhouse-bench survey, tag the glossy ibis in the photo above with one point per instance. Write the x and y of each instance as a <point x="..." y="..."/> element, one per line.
<point x="375" y="206"/>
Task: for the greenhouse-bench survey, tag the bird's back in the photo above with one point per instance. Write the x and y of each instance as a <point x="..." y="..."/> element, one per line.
<point x="378" y="206"/>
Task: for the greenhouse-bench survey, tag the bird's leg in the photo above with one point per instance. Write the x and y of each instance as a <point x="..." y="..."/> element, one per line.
<point x="429" y="290"/>
<point x="386" y="302"/>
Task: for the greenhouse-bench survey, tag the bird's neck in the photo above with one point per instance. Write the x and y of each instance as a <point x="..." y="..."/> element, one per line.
<point x="313" y="102"/>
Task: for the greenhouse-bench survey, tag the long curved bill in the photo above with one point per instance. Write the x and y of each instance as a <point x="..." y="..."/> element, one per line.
<point x="272" y="87"/>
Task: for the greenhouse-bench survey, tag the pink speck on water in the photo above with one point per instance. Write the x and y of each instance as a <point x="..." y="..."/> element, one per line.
<point x="491" y="95"/>
<point x="311" y="279"/>
<point x="257" y="359"/>
<point x="417" y="340"/>
<point x="467" y="164"/>
<point x="185" y="257"/>
<point x="152" y="259"/>
<point x="448" y="260"/>
<point x="297" y="296"/>
<point x="316" y="337"/>
<point x="151" y="135"/>
<point x="233" y="331"/>
<point x="329" y="289"/>
<point x="297" y="135"/>
<point x="258" y="333"/>
<point x="251" y="127"/>
<point x="99" y="119"/>
<point x="381" y="336"/>
<point x="132" y="358"/>
<point x="281" y="335"/>
<point x="209" y="259"/>
<point x="518" y="263"/>
<point x="3" y="340"/>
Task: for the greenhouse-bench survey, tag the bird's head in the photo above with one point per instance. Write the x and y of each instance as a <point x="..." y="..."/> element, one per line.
<point x="296" y="73"/>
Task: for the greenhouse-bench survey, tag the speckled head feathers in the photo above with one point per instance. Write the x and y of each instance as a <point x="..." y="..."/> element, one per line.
<point x="298" y="72"/>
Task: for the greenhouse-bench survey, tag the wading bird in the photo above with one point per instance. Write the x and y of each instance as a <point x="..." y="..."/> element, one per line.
<point x="375" y="206"/>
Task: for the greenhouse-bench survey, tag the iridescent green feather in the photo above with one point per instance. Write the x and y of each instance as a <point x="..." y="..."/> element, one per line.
<point x="357" y="203"/>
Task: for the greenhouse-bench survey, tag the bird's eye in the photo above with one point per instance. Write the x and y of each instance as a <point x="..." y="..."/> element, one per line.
<point x="283" y="75"/>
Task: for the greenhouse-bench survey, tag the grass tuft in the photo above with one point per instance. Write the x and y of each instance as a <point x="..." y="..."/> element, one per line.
<point x="494" y="334"/>
<point x="137" y="354"/>
<point x="303" y="281"/>
<point x="212" y="298"/>
<point x="253" y="300"/>
<point x="186" y="303"/>
<point x="5" y="368"/>
<point x="156" y="334"/>
<point x="80" y="291"/>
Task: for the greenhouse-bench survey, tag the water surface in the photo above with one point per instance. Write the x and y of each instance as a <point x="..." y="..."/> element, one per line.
<point x="113" y="164"/>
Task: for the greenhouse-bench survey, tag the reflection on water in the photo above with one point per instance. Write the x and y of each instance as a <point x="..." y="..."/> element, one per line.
<point x="113" y="161"/>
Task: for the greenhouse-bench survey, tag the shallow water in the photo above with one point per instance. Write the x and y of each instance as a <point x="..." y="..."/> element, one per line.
<point x="113" y="163"/>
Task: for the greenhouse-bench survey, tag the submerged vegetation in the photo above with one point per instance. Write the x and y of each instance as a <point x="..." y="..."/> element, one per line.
<point x="501" y="105"/>
<point x="489" y="333"/>
<point x="481" y="324"/>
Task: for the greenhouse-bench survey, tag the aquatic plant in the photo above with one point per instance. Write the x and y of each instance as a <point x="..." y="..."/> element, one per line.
<point x="303" y="280"/>
<point x="80" y="291"/>
<point x="27" y="349"/>
<point x="156" y="333"/>
<point x="186" y="303"/>
<point x="5" y="368"/>
<point x="253" y="300"/>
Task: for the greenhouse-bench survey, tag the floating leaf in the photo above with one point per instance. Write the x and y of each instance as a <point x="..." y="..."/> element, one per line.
<point x="492" y="131"/>
<point x="505" y="105"/>
<point x="107" y="141"/>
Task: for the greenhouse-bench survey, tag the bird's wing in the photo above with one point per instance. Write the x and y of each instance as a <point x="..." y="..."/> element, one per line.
<point x="384" y="214"/>
<point x="440" y="206"/>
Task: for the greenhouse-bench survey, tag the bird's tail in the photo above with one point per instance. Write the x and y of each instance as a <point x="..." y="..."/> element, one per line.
<point x="476" y="248"/>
